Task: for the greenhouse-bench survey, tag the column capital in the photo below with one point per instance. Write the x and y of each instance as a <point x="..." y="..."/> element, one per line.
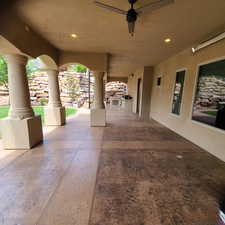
<point x="16" y="59"/>
<point x="98" y="74"/>
<point x="51" y="70"/>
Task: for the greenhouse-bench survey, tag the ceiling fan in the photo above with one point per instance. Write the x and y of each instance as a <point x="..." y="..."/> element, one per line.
<point x="132" y="14"/>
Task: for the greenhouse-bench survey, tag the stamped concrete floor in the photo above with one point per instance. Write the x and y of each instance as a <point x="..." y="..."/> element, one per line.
<point x="129" y="173"/>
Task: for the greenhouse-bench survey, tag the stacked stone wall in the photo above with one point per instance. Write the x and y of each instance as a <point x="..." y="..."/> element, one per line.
<point x="4" y="96"/>
<point x="38" y="85"/>
<point x="211" y="91"/>
<point x="116" y="89"/>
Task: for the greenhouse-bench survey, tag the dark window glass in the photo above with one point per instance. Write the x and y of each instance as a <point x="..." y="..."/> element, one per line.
<point x="209" y="103"/>
<point x="178" y="92"/>
<point x="158" y="81"/>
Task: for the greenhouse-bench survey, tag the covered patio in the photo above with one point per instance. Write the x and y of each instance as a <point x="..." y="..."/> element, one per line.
<point x="130" y="172"/>
<point x="149" y="159"/>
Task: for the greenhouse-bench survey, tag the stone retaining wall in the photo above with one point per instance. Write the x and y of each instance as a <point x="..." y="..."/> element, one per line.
<point x="74" y="89"/>
<point x="211" y="91"/>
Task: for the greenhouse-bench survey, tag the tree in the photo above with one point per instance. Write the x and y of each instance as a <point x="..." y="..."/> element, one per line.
<point x="3" y="73"/>
<point x="32" y="66"/>
<point x="78" y="68"/>
<point x="72" y="86"/>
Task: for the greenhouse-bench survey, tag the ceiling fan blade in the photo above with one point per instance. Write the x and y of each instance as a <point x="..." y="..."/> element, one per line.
<point x="153" y="6"/>
<point x="120" y="11"/>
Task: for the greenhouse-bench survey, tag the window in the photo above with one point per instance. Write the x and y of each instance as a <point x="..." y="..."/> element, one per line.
<point x="178" y="92"/>
<point x="158" y="81"/>
<point x="209" y="103"/>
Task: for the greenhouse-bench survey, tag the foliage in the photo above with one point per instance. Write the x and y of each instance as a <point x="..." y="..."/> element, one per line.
<point x="77" y="68"/>
<point x="72" y="86"/>
<point x="211" y="113"/>
<point x="43" y="101"/>
<point x="3" y="73"/>
<point x="32" y="66"/>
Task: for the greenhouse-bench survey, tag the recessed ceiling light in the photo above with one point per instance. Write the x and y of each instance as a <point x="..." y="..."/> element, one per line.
<point x="27" y="28"/>
<point x="168" y="40"/>
<point x="73" y="35"/>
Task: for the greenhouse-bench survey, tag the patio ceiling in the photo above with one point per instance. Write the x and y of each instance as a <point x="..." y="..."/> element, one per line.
<point x="99" y="30"/>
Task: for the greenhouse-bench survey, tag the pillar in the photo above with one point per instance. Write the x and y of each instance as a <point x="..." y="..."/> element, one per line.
<point x="54" y="112"/>
<point x="21" y="129"/>
<point x="146" y="95"/>
<point x="98" y="113"/>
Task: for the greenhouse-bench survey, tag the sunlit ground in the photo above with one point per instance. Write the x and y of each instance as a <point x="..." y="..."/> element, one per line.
<point x="6" y="156"/>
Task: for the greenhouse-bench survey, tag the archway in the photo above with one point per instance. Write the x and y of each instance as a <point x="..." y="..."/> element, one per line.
<point x="77" y="85"/>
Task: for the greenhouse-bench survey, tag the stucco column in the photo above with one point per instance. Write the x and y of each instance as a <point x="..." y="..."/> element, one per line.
<point x="53" y="87"/>
<point x="20" y="107"/>
<point x="98" y="113"/>
<point x="21" y="129"/>
<point x="98" y="90"/>
<point x="54" y="112"/>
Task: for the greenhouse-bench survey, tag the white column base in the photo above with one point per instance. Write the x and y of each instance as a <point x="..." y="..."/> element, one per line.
<point x="21" y="134"/>
<point x="55" y="116"/>
<point x="98" y="117"/>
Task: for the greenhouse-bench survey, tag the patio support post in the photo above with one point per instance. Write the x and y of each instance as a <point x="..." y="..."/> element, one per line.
<point x="54" y="112"/>
<point x="98" y="91"/>
<point x="21" y="129"/>
<point x="98" y="113"/>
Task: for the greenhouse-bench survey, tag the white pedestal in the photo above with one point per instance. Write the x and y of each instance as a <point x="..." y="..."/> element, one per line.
<point x="21" y="134"/>
<point x="127" y="105"/>
<point x="98" y="117"/>
<point x="55" y="116"/>
<point x="115" y="102"/>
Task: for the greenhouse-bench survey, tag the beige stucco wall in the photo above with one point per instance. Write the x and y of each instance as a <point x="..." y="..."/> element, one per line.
<point x="146" y="75"/>
<point x="207" y="137"/>
<point x="94" y="61"/>
<point x="120" y="79"/>
<point x="23" y="38"/>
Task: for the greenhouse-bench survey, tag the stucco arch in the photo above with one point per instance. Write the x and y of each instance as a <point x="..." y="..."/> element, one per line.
<point x="93" y="61"/>
<point x="46" y="62"/>
<point x="24" y="38"/>
<point x="73" y="63"/>
<point x="8" y="48"/>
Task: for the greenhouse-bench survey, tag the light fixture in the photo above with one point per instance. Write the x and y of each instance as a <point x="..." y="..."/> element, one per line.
<point x="73" y="35"/>
<point x="27" y="28"/>
<point x="167" y="40"/>
<point x="208" y="42"/>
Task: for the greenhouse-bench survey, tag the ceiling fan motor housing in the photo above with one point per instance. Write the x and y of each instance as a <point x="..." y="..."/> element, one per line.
<point x="131" y="16"/>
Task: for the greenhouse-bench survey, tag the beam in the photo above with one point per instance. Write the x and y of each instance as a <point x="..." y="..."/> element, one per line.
<point x="120" y="79"/>
<point x="24" y="38"/>
<point x="94" y="61"/>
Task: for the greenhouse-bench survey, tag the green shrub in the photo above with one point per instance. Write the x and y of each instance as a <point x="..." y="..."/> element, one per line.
<point x="43" y="101"/>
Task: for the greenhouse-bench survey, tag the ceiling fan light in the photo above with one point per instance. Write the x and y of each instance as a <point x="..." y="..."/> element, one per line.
<point x="131" y="27"/>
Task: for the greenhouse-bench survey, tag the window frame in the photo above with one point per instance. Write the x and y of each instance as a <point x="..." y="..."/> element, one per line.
<point x="197" y="70"/>
<point x="173" y="89"/>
